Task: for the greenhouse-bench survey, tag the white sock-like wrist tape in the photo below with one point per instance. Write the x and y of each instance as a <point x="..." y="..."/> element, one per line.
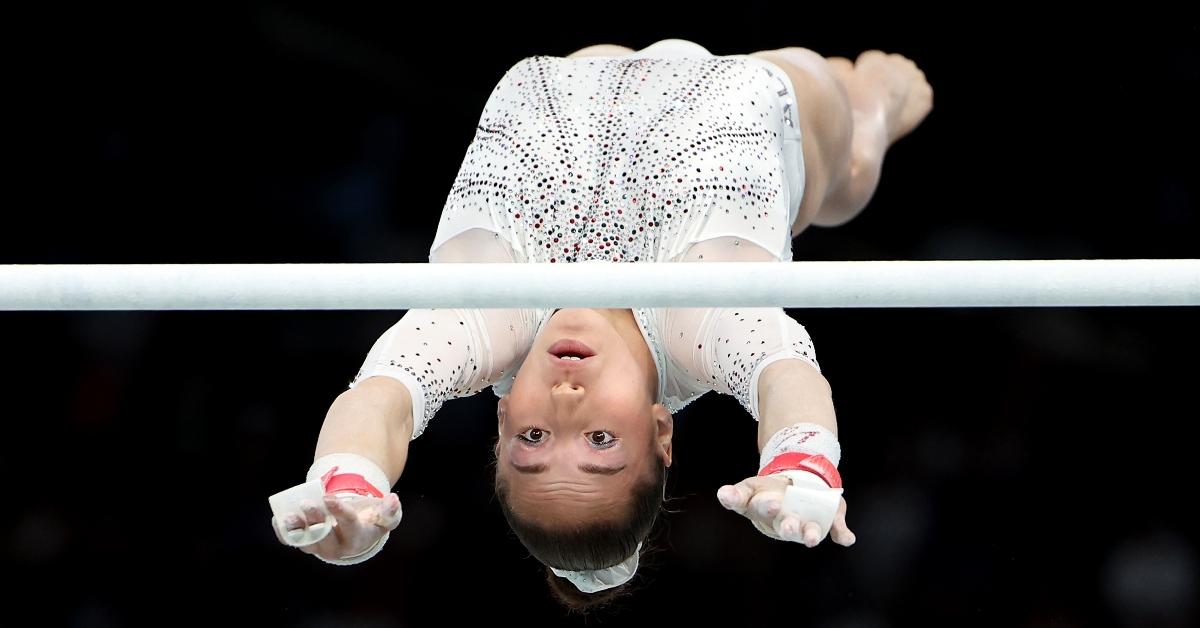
<point x="805" y="438"/>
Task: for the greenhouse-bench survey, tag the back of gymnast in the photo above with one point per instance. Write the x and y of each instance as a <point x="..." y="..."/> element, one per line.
<point x="666" y="154"/>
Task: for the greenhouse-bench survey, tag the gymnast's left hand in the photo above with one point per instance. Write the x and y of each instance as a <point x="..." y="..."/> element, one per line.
<point x="362" y="523"/>
<point x="761" y="500"/>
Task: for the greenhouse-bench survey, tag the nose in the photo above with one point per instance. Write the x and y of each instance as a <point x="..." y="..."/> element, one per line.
<point x="567" y="389"/>
<point x="566" y="393"/>
<point x="566" y="398"/>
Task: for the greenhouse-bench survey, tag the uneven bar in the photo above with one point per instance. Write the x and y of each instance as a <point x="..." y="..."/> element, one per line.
<point x="873" y="284"/>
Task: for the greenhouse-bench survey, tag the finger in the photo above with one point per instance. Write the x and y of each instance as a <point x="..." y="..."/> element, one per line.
<point x="731" y="497"/>
<point x="765" y="505"/>
<point x="311" y="548"/>
<point x="298" y="521"/>
<point x="312" y="514"/>
<point x="342" y="512"/>
<point x="840" y="533"/>
<point x="736" y="497"/>
<point x="788" y="528"/>
<point x="764" y="483"/>
<point x="811" y="534"/>
<point x="293" y="521"/>
<point x="334" y="542"/>
<point x="388" y="516"/>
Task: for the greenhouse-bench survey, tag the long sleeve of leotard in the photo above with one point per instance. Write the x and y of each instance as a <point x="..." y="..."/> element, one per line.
<point x="726" y="349"/>
<point x="442" y="354"/>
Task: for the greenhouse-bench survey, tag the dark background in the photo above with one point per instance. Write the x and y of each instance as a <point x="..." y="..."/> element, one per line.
<point x="1006" y="467"/>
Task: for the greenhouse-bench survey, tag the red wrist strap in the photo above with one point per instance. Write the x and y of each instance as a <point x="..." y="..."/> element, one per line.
<point x="348" y="483"/>
<point x="817" y="464"/>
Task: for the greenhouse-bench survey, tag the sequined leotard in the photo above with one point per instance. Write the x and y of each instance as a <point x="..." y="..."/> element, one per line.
<point x="668" y="155"/>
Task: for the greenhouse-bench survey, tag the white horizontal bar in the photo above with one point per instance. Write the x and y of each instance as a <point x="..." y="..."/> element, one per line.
<point x="990" y="283"/>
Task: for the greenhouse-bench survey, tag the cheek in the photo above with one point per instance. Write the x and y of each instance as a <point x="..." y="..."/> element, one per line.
<point x="625" y="372"/>
<point x="526" y="369"/>
<point x="623" y="394"/>
<point x="522" y="401"/>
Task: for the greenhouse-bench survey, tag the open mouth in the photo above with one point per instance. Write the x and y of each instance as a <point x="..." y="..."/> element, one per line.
<point x="571" y="350"/>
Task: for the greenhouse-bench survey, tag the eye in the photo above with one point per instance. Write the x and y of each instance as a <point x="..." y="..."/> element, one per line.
<point x="601" y="440"/>
<point x="533" y="435"/>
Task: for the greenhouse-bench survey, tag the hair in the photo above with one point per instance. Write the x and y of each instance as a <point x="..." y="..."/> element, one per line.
<point x="594" y="545"/>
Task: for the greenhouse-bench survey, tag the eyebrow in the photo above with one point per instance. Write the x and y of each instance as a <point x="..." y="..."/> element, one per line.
<point x="586" y="468"/>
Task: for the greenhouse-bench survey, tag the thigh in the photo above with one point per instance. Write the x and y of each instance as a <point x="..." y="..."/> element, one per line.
<point x="826" y="125"/>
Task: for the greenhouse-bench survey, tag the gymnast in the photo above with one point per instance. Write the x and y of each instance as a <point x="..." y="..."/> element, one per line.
<point x="666" y="154"/>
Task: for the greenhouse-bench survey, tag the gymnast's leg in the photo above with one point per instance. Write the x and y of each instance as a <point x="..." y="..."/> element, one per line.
<point x="850" y="113"/>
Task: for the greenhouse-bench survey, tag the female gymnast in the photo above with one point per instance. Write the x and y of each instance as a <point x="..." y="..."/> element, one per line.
<point x="666" y="154"/>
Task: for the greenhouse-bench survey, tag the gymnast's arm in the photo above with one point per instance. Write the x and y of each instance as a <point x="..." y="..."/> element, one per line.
<point x="790" y="392"/>
<point x="793" y="397"/>
<point x="426" y="358"/>
<point x="414" y="367"/>
<point x="374" y="420"/>
<point x="767" y="361"/>
<point x="366" y="433"/>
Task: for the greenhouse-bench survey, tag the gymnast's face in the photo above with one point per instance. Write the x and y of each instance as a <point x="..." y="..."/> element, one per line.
<point x="576" y="435"/>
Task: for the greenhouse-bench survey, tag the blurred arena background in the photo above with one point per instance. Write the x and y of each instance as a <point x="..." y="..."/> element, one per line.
<point x="1009" y="467"/>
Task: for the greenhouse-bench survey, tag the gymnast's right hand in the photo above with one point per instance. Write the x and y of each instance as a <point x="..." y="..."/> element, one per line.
<point x="764" y="501"/>
<point x="361" y="524"/>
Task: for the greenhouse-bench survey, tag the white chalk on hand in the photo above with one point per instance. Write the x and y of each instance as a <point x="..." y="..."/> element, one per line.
<point x="292" y="501"/>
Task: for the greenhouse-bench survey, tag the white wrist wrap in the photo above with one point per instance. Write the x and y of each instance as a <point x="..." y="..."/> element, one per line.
<point x="805" y="438"/>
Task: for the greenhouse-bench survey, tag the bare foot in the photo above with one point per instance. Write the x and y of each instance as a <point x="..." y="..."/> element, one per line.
<point x="891" y="82"/>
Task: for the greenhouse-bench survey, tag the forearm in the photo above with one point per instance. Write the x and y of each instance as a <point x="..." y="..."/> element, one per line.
<point x="790" y="392"/>
<point x="373" y="420"/>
